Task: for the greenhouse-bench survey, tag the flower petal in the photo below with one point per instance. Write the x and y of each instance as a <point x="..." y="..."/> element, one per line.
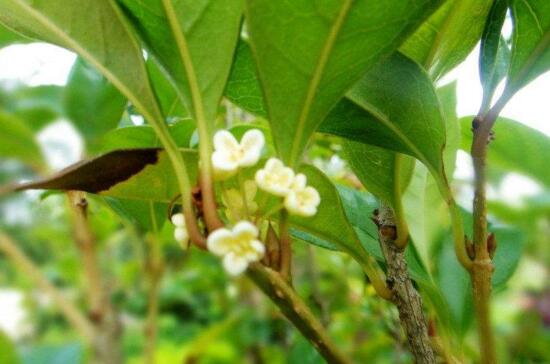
<point x="222" y="162"/>
<point x="245" y="230"/>
<point x="225" y="142"/>
<point x="219" y="241"/>
<point x="178" y="219"/>
<point x="299" y="182"/>
<point x="234" y="265"/>
<point x="252" y="143"/>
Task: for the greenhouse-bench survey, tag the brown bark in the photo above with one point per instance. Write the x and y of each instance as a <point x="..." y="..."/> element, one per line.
<point x="404" y="295"/>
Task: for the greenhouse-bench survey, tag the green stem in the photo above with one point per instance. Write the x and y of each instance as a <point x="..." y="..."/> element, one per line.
<point x="297" y="312"/>
<point x="400" y="222"/>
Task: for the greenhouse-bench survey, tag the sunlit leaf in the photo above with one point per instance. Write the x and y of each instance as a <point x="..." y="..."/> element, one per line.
<point x="309" y="54"/>
<point x="447" y="37"/>
<point x="530" y="41"/>
<point x="394" y="106"/>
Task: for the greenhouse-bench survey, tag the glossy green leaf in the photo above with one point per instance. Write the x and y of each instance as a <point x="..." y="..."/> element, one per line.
<point x="17" y="141"/>
<point x="308" y="55"/>
<point x="394" y="106"/>
<point x="516" y="147"/>
<point x="84" y="26"/>
<point x="530" y="41"/>
<point x="145" y="215"/>
<point x="448" y="36"/>
<point x="194" y="42"/>
<point x="383" y="173"/>
<point x="92" y="103"/>
<point x="494" y="53"/>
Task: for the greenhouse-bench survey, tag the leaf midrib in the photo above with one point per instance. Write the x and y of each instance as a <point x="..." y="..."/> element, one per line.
<point x="316" y="79"/>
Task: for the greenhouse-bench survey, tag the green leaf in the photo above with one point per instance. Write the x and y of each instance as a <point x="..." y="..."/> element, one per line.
<point x="394" y="106"/>
<point x="96" y="31"/>
<point x="530" y="41"/>
<point x="144" y="137"/>
<point x="448" y="36"/>
<point x="243" y="87"/>
<point x="494" y="53"/>
<point x="383" y="173"/>
<point x="146" y="215"/>
<point x="455" y="282"/>
<point x="8" y="354"/>
<point x="359" y="207"/>
<point x="308" y="54"/>
<point x="169" y="100"/>
<point x="92" y="103"/>
<point x="331" y="221"/>
<point x="9" y="37"/>
<point x="17" y="141"/>
<point x="516" y="147"/>
<point x="36" y="106"/>
<point x="194" y="42"/>
<point x="447" y="99"/>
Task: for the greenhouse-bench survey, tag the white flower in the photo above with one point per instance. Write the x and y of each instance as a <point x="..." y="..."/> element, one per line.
<point x="180" y="232"/>
<point x="239" y="246"/>
<point x="302" y="200"/>
<point x="235" y="203"/>
<point x="229" y="154"/>
<point x="275" y="178"/>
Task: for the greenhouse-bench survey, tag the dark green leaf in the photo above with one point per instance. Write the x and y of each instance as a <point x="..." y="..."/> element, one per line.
<point x="308" y="55"/>
<point x="448" y="36"/>
<point x="92" y="103"/>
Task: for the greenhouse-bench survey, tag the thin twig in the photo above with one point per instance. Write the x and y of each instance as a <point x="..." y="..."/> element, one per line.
<point x="404" y="295"/>
<point x="30" y="270"/>
<point x="297" y="312"/>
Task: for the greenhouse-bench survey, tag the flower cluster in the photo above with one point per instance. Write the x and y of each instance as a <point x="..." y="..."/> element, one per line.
<point x="300" y="199"/>
<point x="238" y="247"/>
<point x="241" y="245"/>
<point x="180" y="232"/>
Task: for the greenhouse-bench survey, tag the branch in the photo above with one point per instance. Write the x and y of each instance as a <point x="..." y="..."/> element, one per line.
<point x="404" y="295"/>
<point x="482" y="268"/>
<point x="85" y="241"/>
<point x="297" y="312"/>
<point x="30" y="270"/>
